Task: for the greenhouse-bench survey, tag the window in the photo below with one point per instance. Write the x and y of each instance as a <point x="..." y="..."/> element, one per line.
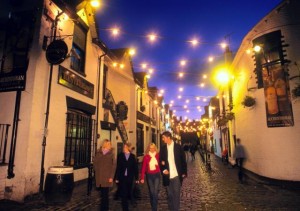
<point x="270" y="56"/>
<point x="78" y="49"/>
<point x="79" y="139"/>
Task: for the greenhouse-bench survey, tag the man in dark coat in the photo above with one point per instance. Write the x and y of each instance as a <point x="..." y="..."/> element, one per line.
<point x="174" y="168"/>
<point x="126" y="173"/>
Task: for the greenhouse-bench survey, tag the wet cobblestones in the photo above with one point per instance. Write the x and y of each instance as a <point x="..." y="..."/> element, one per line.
<point x="204" y="189"/>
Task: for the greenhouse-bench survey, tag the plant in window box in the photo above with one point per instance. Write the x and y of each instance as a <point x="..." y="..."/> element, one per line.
<point x="222" y="121"/>
<point x="248" y="101"/>
<point x="230" y="116"/>
<point x="296" y="91"/>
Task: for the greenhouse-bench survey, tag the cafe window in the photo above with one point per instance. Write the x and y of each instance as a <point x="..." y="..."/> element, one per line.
<point x="270" y="55"/>
<point x="79" y="139"/>
<point x="78" y="49"/>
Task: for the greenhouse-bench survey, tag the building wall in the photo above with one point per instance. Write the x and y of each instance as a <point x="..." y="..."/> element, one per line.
<point x="32" y="112"/>
<point x="271" y="152"/>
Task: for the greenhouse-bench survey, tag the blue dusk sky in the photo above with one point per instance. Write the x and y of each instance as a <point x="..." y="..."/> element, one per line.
<point x="175" y="22"/>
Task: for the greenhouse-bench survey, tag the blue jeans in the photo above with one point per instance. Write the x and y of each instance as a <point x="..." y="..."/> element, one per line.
<point x="153" y="181"/>
<point x="174" y="194"/>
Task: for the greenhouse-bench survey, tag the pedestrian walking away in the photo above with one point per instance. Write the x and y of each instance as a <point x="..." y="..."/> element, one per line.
<point x="104" y="165"/>
<point x="174" y="169"/>
<point x="151" y="168"/>
<point x="126" y="174"/>
<point x="239" y="155"/>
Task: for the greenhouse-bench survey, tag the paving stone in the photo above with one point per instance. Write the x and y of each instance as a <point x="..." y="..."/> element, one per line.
<point x="204" y="189"/>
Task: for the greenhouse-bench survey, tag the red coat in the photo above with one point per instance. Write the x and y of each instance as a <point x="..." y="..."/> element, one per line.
<point x="146" y="168"/>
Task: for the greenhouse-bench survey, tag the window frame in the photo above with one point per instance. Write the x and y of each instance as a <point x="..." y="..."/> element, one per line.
<point x="79" y="145"/>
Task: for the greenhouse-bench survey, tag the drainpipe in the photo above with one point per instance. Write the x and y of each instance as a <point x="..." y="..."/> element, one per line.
<point x="47" y="112"/>
<point x="90" y="176"/>
<point x="98" y="93"/>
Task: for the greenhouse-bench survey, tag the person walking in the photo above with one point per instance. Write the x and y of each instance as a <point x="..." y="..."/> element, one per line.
<point x="126" y="174"/>
<point x="239" y="155"/>
<point x="174" y="168"/>
<point x="193" y="149"/>
<point x="150" y="167"/>
<point x="104" y="166"/>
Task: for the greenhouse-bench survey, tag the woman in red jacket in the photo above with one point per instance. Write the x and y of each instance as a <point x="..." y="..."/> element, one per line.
<point x="151" y="168"/>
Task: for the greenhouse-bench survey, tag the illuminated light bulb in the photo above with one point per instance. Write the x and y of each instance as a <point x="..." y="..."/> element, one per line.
<point x="144" y="65"/>
<point x="122" y="66"/>
<point x="187" y="101"/>
<point x="204" y="76"/>
<point x="148" y="76"/>
<point x="179" y="97"/>
<point x="187" y="111"/>
<point x="174" y="111"/>
<point x="202" y="84"/>
<point x="223" y="45"/>
<point x="172" y="101"/>
<point x="95" y="3"/>
<point x="204" y="100"/>
<point x="180" y="89"/>
<point x="248" y="51"/>
<point x="198" y="107"/>
<point x="197" y="98"/>
<point x="162" y="91"/>
<point x="194" y="42"/>
<point x="152" y="37"/>
<point x="257" y="48"/>
<point x="171" y="105"/>
<point x="183" y="62"/>
<point x="150" y="70"/>
<point x="155" y="102"/>
<point x="210" y="59"/>
<point x="132" y="51"/>
<point x="159" y="94"/>
<point x="115" y="31"/>
<point x="181" y="74"/>
<point x="185" y="106"/>
<point x="115" y="64"/>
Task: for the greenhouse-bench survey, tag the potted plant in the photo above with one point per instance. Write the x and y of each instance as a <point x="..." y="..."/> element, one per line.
<point x="296" y="91"/>
<point x="248" y="101"/>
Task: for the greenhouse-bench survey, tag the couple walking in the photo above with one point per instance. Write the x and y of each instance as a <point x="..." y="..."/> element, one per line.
<point x="171" y="163"/>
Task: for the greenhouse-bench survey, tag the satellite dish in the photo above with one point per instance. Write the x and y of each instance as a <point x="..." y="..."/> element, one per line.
<point x="56" y="52"/>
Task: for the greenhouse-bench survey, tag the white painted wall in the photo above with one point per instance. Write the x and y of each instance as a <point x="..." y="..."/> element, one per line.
<point x="272" y="152"/>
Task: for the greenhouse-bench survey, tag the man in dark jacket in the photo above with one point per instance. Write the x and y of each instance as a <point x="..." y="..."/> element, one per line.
<point x="174" y="168"/>
<point x="126" y="174"/>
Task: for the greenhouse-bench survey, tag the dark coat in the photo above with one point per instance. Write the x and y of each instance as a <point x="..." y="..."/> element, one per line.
<point x="180" y="162"/>
<point x="104" y="166"/>
<point x="130" y="164"/>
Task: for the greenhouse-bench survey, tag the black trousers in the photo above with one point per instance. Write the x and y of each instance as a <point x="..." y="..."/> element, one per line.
<point x="126" y="185"/>
<point x="104" y="206"/>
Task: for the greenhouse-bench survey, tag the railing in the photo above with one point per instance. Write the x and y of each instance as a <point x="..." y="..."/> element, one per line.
<point x="111" y="104"/>
<point x="3" y="141"/>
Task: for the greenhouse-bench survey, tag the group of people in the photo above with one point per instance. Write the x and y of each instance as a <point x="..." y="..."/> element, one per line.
<point x="169" y="164"/>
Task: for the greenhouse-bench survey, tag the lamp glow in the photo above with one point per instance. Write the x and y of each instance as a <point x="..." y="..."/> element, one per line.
<point x="95" y="3"/>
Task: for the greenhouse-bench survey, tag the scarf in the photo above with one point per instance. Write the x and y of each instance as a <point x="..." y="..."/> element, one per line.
<point x="104" y="151"/>
<point x="153" y="162"/>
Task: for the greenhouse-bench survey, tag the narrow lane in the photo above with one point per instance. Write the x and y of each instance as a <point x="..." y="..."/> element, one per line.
<point x="215" y="189"/>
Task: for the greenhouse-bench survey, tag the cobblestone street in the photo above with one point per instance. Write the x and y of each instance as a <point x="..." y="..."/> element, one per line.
<point x="215" y="189"/>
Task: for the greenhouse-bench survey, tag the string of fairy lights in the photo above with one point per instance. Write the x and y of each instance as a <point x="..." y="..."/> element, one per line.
<point x="184" y="104"/>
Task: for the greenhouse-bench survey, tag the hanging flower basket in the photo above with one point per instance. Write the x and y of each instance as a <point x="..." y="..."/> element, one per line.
<point x="248" y="101"/>
<point x="296" y="91"/>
